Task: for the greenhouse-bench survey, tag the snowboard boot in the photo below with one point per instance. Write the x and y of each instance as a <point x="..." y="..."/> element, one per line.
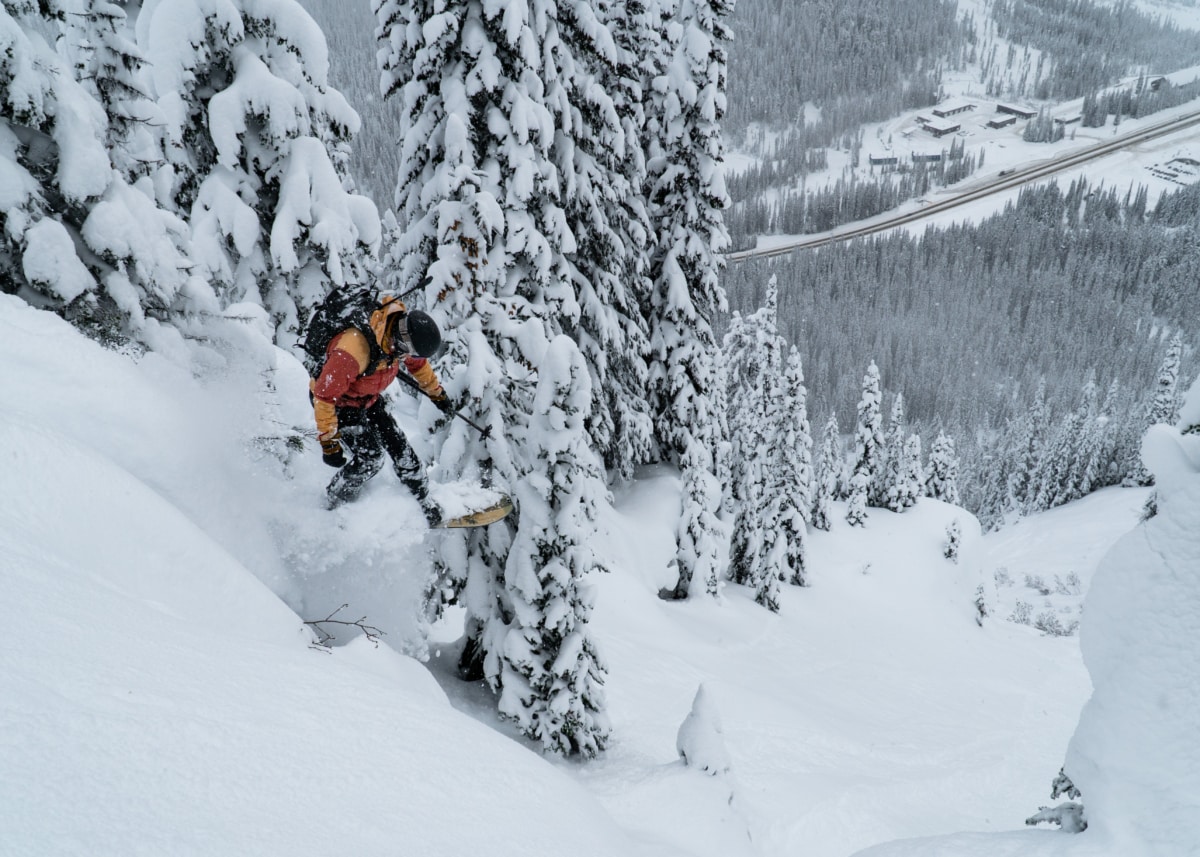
<point x="433" y="514"/>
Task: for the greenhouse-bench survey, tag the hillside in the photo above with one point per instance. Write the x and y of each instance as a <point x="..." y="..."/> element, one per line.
<point x="161" y="694"/>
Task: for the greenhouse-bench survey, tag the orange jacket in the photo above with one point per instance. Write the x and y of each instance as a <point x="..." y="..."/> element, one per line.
<point x="346" y="380"/>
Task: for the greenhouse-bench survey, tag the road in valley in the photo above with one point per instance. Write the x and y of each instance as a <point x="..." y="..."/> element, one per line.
<point x="1005" y="180"/>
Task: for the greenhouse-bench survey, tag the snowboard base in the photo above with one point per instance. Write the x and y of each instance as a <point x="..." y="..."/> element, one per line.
<point x="480" y="517"/>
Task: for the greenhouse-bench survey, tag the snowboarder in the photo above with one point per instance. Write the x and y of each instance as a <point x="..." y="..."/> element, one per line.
<point x="351" y="415"/>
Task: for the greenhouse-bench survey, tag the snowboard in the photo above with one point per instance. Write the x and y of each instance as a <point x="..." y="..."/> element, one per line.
<point x="479" y="517"/>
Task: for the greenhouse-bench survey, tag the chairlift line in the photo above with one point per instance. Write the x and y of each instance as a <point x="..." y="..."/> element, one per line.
<point x="1005" y="180"/>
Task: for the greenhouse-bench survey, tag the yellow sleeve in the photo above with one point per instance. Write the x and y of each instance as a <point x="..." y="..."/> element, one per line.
<point x="426" y="378"/>
<point x="326" y="416"/>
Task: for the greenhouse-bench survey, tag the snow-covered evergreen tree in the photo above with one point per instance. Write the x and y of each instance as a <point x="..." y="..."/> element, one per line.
<point x="106" y="61"/>
<point x="868" y="446"/>
<point x="1029" y="445"/>
<point x="77" y="236"/>
<point x="699" y="535"/>
<point x="941" y="479"/>
<point x="908" y="488"/>
<point x="746" y="362"/>
<point x="598" y="153"/>
<point x="993" y="502"/>
<point x="1116" y="433"/>
<point x="828" y="474"/>
<point x="953" y="541"/>
<point x="856" y="503"/>
<point x="479" y="201"/>
<point x="686" y="195"/>
<point x="684" y="103"/>
<point x="770" y="476"/>
<point x="700" y="741"/>
<point x="1164" y="404"/>
<point x="723" y="461"/>
<point x="753" y="360"/>
<point x="889" y="488"/>
<point x="741" y="375"/>
<point x="253" y="134"/>
<point x="793" y="471"/>
<point x="1060" y="476"/>
<point x="552" y="676"/>
<point x="1092" y="442"/>
<point x="767" y="512"/>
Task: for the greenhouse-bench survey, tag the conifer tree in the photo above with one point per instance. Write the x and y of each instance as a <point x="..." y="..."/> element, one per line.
<point x="740" y="376"/>
<point x="108" y="64"/>
<point x="1091" y="446"/>
<point x="941" y="480"/>
<point x="453" y="221"/>
<point x="1057" y="471"/>
<point x="480" y="213"/>
<point x="1164" y="404"/>
<point x="911" y="472"/>
<point x="828" y="474"/>
<point x="1116" y="433"/>
<point x="753" y="359"/>
<point x="699" y="534"/>
<point x="766" y="512"/>
<point x="889" y="486"/>
<point x="78" y="237"/>
<point x="598" y="151"/>
<point x="793" y="482"/>
<point x="686" y="196"/>
<point x="685" y="193"/>
<point x="868" y="446"/>
<point x="747" y="365"/>
<point x="993" y="506"/>
<point x="552" y="675"/>
<point x="723" y="461"/>
<point x="253" y="133"/>
<point x="1029" y="443"/>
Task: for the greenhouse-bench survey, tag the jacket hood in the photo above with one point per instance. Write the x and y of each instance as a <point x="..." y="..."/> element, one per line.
<point x="383" y="321"/>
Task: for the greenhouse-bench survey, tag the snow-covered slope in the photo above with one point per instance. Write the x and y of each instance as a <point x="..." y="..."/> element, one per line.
<point x="872" y="707"/>
<point x="159" y="693"/>
<point x="156" y="698"/>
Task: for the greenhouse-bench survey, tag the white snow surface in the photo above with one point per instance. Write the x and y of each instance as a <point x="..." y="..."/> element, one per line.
<point x="160" y="694"/>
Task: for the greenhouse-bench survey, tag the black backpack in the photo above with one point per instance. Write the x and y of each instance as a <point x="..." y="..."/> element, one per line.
<point x="340" y="310"/>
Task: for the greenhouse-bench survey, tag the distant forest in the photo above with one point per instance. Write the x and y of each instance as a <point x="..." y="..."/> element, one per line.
<point x="349" y="27"/>
<point x="1083" y="46"/>
<point x="857" y="60"/>
<point x="1062" y="288"/>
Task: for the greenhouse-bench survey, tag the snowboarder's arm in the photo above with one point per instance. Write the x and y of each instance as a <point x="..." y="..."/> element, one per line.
<point x="424" y="375"/>
<point x="326" y="417"/>
<point x="348" y="357"/>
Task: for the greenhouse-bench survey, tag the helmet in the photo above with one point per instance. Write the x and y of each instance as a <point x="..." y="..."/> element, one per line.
<point x="418" y="333"/>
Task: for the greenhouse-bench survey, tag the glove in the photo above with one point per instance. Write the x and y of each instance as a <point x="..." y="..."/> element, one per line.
<point x="442" y="402"/>
<point x="331" y="453"/>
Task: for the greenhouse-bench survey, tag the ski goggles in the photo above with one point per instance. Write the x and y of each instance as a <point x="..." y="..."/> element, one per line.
<point x="401" y="338"/>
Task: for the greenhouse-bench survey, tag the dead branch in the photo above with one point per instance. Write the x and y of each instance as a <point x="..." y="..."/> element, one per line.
<point x="325" y="637"/>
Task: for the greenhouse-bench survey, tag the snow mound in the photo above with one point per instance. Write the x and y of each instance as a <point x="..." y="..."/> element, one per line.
<point x="1135" y="757"/>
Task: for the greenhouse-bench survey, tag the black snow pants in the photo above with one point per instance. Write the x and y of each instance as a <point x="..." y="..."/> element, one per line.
<point x="367" y="433"/>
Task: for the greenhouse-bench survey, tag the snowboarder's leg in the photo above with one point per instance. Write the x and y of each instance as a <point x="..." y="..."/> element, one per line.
<point x="408" y="467"/>
<point x="362" y="439"/>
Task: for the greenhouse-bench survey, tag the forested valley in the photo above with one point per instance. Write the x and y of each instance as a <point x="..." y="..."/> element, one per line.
<point x="979" y="324"/>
